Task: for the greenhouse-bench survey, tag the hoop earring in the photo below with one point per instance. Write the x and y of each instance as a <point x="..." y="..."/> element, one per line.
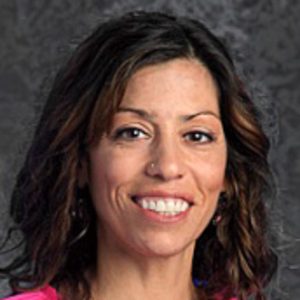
<point x="80" y="220"/>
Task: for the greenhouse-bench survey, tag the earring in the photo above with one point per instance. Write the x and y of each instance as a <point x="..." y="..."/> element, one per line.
<point x="220" y="209"/>
<point x="76" y="212"/>
<point x="216" y="220"/>
<point x="80" y="220"/>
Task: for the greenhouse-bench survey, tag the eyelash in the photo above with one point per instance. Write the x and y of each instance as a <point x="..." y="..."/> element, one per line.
<point x="122" y="133"/>
<point x="209" y="137"/>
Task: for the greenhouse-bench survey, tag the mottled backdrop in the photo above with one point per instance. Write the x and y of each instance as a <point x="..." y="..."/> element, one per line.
<point x="37" y="36"/>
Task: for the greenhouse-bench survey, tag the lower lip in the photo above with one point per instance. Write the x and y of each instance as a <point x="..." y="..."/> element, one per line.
<point x="153" y="216"/>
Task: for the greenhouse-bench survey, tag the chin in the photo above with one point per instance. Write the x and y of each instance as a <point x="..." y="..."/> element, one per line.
<point x="164" y="246"/>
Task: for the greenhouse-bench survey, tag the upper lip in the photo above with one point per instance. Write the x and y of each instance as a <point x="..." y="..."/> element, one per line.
<point x="165" y="194"/>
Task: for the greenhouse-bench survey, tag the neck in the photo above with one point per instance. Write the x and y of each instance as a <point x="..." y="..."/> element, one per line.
<point x="123" y="274"/>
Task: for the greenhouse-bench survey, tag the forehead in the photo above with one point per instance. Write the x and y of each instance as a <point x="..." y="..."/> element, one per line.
<point x="177" y="86"/>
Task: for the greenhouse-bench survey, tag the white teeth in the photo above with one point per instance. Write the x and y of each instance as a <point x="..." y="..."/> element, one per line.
<point x="170" y="206"/>
<point x="152" y="205"/>
<point x="166" y="206"/>
<point x="178" y="206"/>
<point x="144" y="204"/>
<point x="184" y="206"/>
<point x="160" y="206"/>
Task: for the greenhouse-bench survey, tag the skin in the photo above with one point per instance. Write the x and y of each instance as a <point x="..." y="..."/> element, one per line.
<point x="139" y="258"/>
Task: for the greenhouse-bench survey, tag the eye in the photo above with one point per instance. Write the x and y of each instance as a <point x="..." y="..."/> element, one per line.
<point x="199" y="137"/>
<point x="130" y="133"/>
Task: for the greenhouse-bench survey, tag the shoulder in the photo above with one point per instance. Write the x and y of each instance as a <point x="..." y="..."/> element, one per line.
<point x="46" y="293"/>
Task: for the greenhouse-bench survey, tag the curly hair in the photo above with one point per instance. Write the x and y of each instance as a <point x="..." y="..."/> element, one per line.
<point x="234" y="257"/>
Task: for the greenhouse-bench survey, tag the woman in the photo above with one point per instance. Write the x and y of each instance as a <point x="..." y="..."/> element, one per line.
<point x="147" y="174"/>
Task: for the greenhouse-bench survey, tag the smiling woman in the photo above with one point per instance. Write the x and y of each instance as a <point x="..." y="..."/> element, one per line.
<point x="147" y="174"/>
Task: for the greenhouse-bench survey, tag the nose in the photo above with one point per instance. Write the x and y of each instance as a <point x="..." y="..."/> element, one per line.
<point x="165" y="161"/>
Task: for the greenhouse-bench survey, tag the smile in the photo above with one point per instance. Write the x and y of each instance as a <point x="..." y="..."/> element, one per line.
<point x="165" y="206"/>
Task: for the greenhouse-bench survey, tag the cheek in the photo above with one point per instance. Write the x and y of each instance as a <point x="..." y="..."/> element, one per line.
<point x="110" y="170"/>
<point x="104" y="178"/>
<point x="209" y="172"/>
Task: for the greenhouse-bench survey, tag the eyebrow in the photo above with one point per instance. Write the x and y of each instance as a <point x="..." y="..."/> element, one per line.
<point x="144" y="114"/>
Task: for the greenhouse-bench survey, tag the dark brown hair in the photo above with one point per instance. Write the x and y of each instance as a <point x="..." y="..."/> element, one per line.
<point x="234" y="257"/>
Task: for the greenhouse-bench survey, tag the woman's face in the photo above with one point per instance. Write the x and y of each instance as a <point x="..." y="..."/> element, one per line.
<point x="155" y="178"/>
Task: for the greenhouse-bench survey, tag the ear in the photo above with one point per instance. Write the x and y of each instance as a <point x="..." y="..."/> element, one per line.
<point x="83" y="178"/>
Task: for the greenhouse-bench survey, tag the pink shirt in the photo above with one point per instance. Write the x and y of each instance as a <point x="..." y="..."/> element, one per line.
<point x="49" y="293"/>
<point x="46" y="293"/>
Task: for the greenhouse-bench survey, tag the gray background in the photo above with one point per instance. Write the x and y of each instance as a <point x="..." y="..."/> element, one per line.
<point x="36" y="37"/>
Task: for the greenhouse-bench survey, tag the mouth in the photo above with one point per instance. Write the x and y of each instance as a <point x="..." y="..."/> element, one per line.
<point x="163" y="205"/>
